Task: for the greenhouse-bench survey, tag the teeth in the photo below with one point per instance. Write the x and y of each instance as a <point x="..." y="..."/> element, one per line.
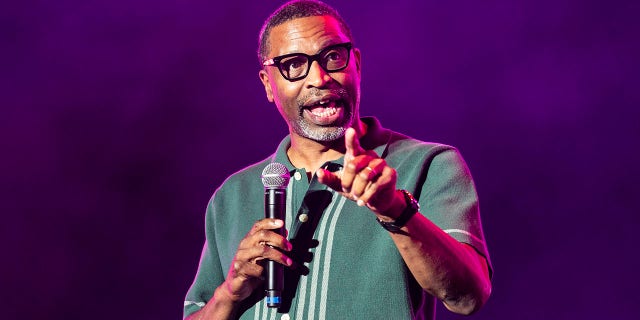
<point x="326" y="112"/>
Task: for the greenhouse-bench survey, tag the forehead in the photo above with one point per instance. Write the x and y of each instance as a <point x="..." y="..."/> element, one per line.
<point x="307" y="35"/>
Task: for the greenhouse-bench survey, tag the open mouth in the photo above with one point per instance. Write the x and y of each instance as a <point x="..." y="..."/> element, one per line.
<point x="324" y="112"/>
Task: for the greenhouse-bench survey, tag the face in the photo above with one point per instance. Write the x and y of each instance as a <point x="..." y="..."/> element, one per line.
<point x="322" y="105"/>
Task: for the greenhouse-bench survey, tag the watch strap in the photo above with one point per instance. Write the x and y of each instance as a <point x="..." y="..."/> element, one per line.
<point x="411" y="209"/>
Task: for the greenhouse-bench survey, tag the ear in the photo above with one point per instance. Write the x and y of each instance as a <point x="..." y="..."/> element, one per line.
<point x="357" y="57"/>
<point x="264" y="77"/>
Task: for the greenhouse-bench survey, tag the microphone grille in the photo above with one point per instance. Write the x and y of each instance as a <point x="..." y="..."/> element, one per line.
<point x="275" y="175"/>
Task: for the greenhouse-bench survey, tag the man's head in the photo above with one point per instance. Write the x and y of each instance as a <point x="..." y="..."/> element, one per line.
<point x="294" y="10"/>
<point x="309" y="69"/>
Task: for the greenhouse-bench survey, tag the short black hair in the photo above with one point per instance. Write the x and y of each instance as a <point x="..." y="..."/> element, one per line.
<point x="293" y="10"/>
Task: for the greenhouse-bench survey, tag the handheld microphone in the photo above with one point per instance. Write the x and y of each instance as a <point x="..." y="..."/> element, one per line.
<point x="275" y="178"/>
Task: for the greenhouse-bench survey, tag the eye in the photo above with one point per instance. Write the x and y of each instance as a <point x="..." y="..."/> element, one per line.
<point x="335" y="58"/>
<point x="334" y="55"/>
<point x="293" y="63"/>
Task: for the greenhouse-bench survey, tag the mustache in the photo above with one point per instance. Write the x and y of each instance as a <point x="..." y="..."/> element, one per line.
<point x="316" y="93"/>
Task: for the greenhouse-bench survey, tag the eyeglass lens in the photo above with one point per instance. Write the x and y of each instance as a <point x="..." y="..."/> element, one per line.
<point x="330" y="59"/>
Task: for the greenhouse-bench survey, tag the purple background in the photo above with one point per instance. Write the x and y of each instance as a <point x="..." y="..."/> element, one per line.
<point x="120" y="118"/>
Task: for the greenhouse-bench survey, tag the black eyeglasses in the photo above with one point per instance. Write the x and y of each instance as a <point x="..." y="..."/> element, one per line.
<point x="295" y="66"/>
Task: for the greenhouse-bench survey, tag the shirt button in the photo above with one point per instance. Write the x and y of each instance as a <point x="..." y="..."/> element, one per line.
<point x="285" y="317"/>
<point x="297" y="175"/>
<point x="303" y="217"/>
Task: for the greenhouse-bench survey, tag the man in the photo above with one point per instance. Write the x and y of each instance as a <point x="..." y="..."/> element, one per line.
<point x="358" y="247"/>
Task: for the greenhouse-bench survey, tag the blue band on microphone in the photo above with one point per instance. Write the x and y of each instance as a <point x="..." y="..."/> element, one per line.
<point x="272" y="300"/>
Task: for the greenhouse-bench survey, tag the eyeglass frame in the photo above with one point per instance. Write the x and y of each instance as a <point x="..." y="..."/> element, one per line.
<point x="275" y="61"/>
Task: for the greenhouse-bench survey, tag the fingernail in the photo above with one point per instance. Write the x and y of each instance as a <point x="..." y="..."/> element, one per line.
<point x="288" y="261"/>
<point x="360" y="203"/>
<point x="277" y="223"/>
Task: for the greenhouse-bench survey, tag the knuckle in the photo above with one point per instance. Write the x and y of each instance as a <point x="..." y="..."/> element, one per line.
<point x="236" y="268"/>
<point x="243" y="243"/>
<point x="392" y="173"/>
<point x="255" y="228"/>
<point x="256" y="225"/>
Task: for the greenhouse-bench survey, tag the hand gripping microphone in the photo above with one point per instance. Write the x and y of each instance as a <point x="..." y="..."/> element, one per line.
<point x="275" y="178"/>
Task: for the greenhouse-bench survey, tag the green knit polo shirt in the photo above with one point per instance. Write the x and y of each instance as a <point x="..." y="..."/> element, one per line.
<point x="348" y="265"/>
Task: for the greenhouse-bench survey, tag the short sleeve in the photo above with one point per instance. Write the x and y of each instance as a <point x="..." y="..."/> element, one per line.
<point x="210" y="274"/>
<point x="449" y="199"/>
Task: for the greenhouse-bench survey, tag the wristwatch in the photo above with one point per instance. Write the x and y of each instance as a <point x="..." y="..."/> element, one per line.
<point x="412" y="207"/>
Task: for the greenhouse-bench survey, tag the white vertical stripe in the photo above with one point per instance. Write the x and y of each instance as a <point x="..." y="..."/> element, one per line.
<point x="316" y="258"/>
<point x="273" y="313"/>
<point x="256" y="314"/>
<point x="288" y="214"/>
<point x="327" y="260"/>
<point x="264" y="310"/>
<point x="303" y="294"/>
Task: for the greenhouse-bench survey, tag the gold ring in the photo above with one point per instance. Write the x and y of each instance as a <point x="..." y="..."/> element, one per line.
<point x="375" y="173"/>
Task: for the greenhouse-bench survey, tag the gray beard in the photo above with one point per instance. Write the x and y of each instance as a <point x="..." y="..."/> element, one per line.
<point x="325" y="134"/>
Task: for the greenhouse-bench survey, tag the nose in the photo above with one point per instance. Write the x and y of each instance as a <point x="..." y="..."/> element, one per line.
<point x="317" y="76"/>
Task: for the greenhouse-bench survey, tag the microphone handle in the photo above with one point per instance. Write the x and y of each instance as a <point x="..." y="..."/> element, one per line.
<point x="275" y="207"/>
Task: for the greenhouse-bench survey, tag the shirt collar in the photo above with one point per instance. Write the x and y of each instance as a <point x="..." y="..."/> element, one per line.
<point x="376" y="139"/>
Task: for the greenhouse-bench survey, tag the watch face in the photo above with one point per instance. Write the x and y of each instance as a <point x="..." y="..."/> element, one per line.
<point x="409" y="211"/>
<point x="411" y="200"/>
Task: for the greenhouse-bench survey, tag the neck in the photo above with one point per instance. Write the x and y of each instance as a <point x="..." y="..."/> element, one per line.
<point x="310" y="154"/>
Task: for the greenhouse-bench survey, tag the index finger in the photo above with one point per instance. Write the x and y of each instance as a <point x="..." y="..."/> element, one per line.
<point x="352" y="144"/>
<point x="266" y="224"/>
